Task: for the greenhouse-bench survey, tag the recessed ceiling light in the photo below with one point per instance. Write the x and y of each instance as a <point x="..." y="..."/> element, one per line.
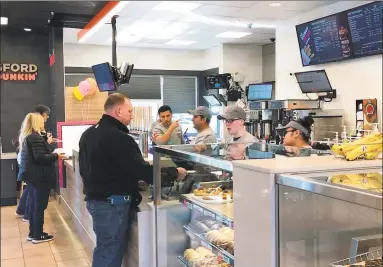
<point x="176" y="6"/>
<point x="180" y="42"/>
<point x="233" y="34"/>
<point x="275" y="4"/>
<point x="4" y="21"/>
<point x="27" y="29"/>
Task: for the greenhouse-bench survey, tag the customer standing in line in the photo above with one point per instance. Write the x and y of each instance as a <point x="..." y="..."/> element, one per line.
<point x="22" y="208"/>
<point x="37" y="172"/>
<point x="168" y="132"/>
<point x="111" y="164"/>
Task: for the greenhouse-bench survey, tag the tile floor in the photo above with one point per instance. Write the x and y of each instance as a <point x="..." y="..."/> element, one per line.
<point x="66" y="250"/>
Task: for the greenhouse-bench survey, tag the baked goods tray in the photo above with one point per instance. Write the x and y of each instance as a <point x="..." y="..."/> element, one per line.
<point x="221" y="254"/>
<point x="369" y="256"/>
<point x="190" y="204"/>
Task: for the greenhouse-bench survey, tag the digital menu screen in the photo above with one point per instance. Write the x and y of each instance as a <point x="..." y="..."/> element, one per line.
<point x="366" y="29"/>
<point x="353" y="33"/>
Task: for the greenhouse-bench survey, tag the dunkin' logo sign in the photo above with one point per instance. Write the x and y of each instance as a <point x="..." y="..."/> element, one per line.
<point x="18" y="72"/>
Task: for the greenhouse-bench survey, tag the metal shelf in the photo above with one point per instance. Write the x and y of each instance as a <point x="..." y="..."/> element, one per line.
<point x="206" y="211"/>
<point x="377" y="254"/>
<point x="221" y="254"/>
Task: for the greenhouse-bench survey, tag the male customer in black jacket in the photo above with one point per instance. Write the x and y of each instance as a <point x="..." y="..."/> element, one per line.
<point x="111" y="165"/>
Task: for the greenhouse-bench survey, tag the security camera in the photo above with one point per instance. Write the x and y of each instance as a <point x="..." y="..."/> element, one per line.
<point x="272" y="40"/>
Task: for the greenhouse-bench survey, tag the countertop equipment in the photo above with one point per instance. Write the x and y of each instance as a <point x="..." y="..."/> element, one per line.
<point x="268" y="115"/>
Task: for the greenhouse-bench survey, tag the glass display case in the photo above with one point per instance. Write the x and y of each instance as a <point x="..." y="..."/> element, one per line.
<point x="194" y="218"/>
<point x="326" y="217"/>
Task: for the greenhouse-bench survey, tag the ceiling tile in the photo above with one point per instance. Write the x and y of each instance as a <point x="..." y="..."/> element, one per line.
<point x="203" y="26"/>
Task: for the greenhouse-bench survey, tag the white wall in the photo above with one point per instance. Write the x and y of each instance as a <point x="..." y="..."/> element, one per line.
<point x="213" y="58"/>
<point x="77" y="55"/>
<point x="268" y="63"/>
<point x="354" y="79"/>
<point x="245" y="59"/>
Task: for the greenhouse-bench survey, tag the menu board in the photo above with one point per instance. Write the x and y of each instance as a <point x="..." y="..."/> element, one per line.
<point x="353" y="33"/>
<point x="366" y="29"/>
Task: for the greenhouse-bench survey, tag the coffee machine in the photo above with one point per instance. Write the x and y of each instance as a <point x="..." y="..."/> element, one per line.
<point x="265" y="117"/>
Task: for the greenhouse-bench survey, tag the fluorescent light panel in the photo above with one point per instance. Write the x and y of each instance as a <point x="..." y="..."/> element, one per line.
<point x="275" y="4"/>
<point x="154" y="29"/>
<point x="4" y="21"/>
<point x="104" y="20"/>
<point x="27" y="29"/>
<point x="176" y="6"/>
<point x="232" y="34"/>
<point x="180" y="42"/>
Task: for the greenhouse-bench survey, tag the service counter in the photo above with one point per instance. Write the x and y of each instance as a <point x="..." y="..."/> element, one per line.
<point x="8" y="165"/>
<point x="285" y="211"/>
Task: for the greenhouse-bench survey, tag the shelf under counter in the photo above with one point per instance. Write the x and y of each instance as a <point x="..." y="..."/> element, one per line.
<point x="223" y="213"/>
<point x="201" y="240"/>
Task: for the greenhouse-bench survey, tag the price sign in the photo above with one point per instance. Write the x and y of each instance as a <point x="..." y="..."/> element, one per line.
<point x="223" y="257"/>
<point x="208" y="213"/>
<point x="196" y="207"/>
<point x="188" y="204"/>
<point x="182" y="263"/>
<point x="224" y="221"/>
<point x="206" y="245"/>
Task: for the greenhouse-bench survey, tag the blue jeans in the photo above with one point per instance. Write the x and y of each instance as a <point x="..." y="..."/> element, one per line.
<point x="22" y="208"/>
<point x="111" y="225"/>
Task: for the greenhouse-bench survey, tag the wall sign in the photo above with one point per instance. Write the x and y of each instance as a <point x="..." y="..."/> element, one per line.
<point x="18" y="72"/>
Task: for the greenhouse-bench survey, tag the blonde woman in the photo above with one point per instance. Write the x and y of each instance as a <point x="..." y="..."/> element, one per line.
<point x="36" y="169"/>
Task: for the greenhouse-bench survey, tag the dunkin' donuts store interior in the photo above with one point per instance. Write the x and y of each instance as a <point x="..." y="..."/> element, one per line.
<point x="290" y="92"/>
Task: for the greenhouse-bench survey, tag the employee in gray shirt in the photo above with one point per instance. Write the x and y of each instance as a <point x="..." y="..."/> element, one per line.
<point x="201" y="120"/>
<point x="234" y="118"/>
<point x="167" y="132"/>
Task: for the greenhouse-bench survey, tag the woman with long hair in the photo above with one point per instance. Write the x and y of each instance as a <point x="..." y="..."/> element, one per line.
<point x="36" y="169"/>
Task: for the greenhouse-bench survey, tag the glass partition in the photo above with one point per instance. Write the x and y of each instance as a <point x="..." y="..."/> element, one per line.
<point x="327" y="217"/>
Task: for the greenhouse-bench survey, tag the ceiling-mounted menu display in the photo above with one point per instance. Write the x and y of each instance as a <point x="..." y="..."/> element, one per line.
<point x="366" y="29"/>
<point x="353" y="33"/>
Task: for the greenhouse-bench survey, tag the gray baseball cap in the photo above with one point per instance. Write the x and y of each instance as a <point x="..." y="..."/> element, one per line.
<point x="233" y="113"/>
<point x="294" y="125"/>
<point x="201" y="111"/>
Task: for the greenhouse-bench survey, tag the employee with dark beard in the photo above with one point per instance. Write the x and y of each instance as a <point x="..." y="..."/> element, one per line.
<point x="111" y="165"/>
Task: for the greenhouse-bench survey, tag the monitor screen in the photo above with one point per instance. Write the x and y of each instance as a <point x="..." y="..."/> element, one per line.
<point x="104" y="77"/>
<point x="366" y="29"/>
<point x="313" y="81"/>
<point x="220" y="81"/>
<point x="262" y="91"/>
<point x="212" y="100"/>
<point x="350" y="34"/>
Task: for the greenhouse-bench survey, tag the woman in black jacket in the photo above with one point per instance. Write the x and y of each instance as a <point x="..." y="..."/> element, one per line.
<point x="37" y="173"/>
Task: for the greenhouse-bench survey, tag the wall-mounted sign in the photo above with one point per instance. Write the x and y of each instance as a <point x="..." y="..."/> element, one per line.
<point x="18" y="72"/>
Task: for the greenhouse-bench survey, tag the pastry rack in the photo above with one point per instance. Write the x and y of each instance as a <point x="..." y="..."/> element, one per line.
<point x="373" y="255"/>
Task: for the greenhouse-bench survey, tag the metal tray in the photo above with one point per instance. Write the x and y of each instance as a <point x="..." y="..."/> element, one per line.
<point x="359" y="258"/>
